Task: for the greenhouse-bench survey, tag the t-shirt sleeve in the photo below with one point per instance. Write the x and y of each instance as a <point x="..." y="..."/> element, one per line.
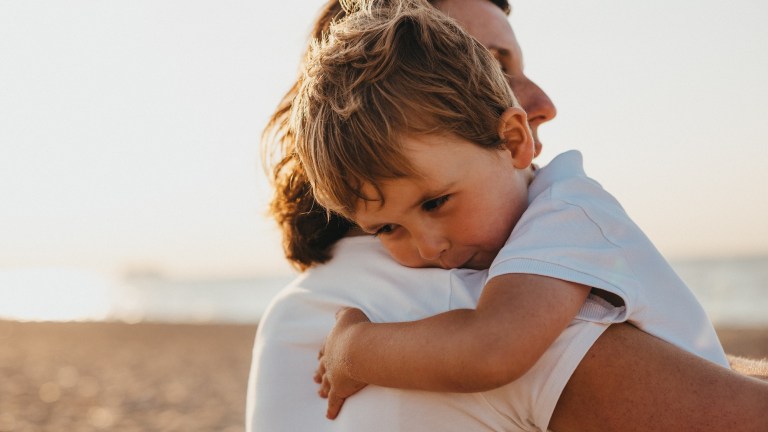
<point x="565" y="240"/>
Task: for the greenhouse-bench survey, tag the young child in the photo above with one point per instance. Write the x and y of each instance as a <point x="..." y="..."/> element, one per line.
<point x="406" y="126"/>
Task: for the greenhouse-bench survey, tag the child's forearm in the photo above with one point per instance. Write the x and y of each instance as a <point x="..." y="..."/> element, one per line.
<point x="434" y="354"/>
<point x="517" y="319"/>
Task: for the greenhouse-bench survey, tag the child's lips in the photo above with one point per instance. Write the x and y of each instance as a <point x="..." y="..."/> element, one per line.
<point x="478" y="261"/>
<point x="447" y="265"/>
<point x="470" y="263"/>
<point x="459" y="263"/>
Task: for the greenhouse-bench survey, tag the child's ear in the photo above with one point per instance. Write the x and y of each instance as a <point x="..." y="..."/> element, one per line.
<point x="516" y="135"/>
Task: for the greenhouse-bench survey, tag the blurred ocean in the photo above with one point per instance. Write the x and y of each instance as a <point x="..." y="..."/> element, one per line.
<point x="734" y="292"/>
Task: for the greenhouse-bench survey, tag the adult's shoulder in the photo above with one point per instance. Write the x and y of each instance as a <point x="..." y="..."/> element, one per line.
<point x="362" y="274"/>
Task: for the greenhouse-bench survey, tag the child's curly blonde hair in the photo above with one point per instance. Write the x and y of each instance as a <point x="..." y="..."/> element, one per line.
<point x="381" y="73"/>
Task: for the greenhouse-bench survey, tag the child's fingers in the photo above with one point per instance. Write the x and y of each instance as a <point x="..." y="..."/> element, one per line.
<point x="342" y="310"/>
<point x="319" y="372"/>
<point x="334" y="405"/>
<point x="350" y="313"/>
<point x="325" y="387"/>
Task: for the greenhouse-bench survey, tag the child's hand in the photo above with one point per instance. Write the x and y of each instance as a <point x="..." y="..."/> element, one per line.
<point x="332" y="375"/>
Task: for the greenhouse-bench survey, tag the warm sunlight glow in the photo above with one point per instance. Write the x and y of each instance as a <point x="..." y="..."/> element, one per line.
<point x="130" y="133"/>
<point x="56" y="294"/>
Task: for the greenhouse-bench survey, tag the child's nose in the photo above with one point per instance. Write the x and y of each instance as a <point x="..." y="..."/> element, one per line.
<point x="431" y="246"/>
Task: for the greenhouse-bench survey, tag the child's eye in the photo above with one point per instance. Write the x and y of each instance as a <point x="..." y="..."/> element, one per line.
<point x="434" y="204"/>
<point x="384" y="230"/>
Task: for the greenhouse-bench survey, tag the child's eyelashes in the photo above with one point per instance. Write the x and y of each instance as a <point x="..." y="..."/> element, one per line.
<point x="429" y="205"/>
<point x="435" y="203"/>
<point x="384" y="230"/>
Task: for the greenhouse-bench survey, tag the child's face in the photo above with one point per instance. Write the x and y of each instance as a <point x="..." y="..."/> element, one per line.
<point x="459" y="213"/>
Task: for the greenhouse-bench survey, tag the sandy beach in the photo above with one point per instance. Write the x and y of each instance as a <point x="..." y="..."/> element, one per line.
<point x="151" y="377"/>
<point x="70" y="377"/>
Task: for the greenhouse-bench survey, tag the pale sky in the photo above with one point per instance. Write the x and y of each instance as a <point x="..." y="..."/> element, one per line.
<point x="129" y="130"/>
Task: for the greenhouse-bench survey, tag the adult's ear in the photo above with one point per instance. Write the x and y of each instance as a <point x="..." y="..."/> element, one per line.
<point x="516" y="135"/>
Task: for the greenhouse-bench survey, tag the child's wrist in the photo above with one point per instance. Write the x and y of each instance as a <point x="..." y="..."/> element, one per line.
<point x="354" y="349"/>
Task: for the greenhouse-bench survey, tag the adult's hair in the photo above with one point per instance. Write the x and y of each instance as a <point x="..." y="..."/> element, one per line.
<point x="383" y="73"/>
<point x="308" y="230"/>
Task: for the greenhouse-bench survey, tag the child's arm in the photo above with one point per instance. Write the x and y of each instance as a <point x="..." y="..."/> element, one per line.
<point x="518" y="316"/>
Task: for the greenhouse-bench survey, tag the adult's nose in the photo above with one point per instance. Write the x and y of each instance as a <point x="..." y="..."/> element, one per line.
<point x="534" y="101"/>
<point x="536" y="104"/>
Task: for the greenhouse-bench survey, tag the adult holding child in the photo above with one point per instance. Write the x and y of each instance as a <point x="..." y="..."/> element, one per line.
<point x="299" y="319"/>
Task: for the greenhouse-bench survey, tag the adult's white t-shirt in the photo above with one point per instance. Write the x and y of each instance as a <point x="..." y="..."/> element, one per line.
<point x="283" y="397"/>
